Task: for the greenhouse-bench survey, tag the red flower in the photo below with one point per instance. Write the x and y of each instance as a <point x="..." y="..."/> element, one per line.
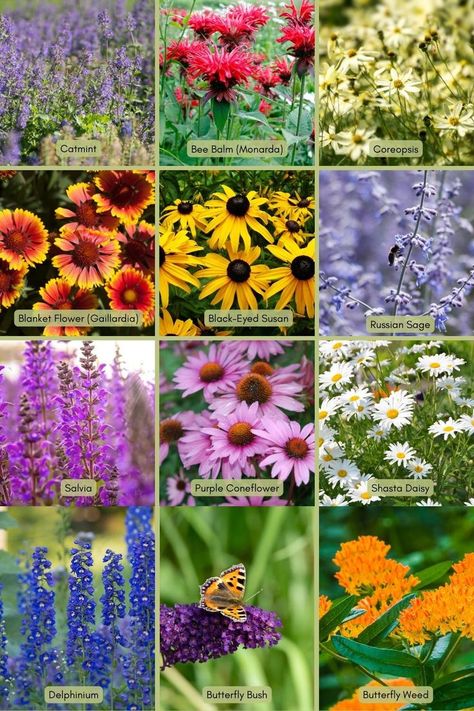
<point x="180" y="51"/>
<point x="11" y="283"/>
<point x="240" y="24"/>
<point x="267" y="80"/>
<point x="138" y="247"/>
<point x="58" y="294"/>
<point x="284" y="70"/>
<point x="301" y="15"/>
<point x="130" y="289"/>
<point x="204" y="23"/>
<point x="302" y="39"/>
<point x="264" y="107"/>
<point x="221" y="69"/>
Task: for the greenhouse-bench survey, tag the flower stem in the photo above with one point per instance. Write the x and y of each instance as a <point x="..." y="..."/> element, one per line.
<point x="300" y="112"/>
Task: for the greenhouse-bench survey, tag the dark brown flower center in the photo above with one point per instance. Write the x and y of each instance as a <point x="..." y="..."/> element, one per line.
<point x="181" y="485"/>
<point x="16" y="241"/>
<point x="5" y="282"/>
<point x="262" y="368"/>
<point x="292" y="226"/>
<point x="304" y="203"/>
<point x="210" y="372"/>
<point x="124" y="193"/>
<point x="87" y="214"/>
<point x="170" y="431"/>
<point x="240" y="434"/>
<point x="254" y="388"/>
<point x="238" y="205"/>
<point x="162" y="256"/>
<point x="185" y="208"/>
<point x="302" y="267"/>
<point x="238" y="270"/>
<point x="85" y="254"/>
<point x="296" y="448"/>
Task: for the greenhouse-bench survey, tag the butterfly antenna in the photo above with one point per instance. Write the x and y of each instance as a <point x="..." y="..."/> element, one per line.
<point x="254" y="595"/>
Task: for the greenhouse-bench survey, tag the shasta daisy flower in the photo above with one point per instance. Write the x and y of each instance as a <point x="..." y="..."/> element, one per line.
<point x="295" y="280"/>
<point x="339" y="374"/>
<point x="90" y="256"/>
<point x="231" y="215"/>
<point x="399" y="453"/>
<point x="175" y="256"/>
<point x="186" y="213"/>
<point x="434" y="365"/>
<point x="361" y="494"/>
<point x="23" y="238"/>
<point x="339" y="500"/>
<point x="123" y="193"/>
<point x="11" y="282"/>
<point x="291" y="449"/>
<point x="466" y="422"/>
<point x="236" y="277"/>
<point x="445" y="428"/>
<point x="58" y="294"/>
<point x="418" y="468"/>
<point x="130" y="289"/>
<point x="210" y="372"/>
<point x="396" y="410"/>
<point x="343" y="472"/>
<point x="168" y="327"/>
<point x="234" y="439"/>
<point x="86" y="211"/>
<point x="221" y="69"/>
<point x="428" y="502"/>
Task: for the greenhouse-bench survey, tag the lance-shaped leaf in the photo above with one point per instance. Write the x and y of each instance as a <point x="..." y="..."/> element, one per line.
<point x="338" y="612"/>
<point x="377" y="659"/>
<point x="383" y="625"/>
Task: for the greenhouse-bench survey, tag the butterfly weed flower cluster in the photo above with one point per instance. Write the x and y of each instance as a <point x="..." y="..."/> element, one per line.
<point x="393" y="410"/>
<point x="397" y="71"/>
<point x="393" y="625"/>
<point x="236" y="248"/>
<point x="243" y="72"/>
<point x="402" y="246"/>
<point x="98" y="252"/>
<point x="237" y="410"/>
<point x="70" y="72"/>
<point x="63" y="423"/>
<point x="103" y="639"/>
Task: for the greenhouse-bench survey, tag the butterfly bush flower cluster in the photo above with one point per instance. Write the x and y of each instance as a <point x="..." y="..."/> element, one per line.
<point x="71" y="71"/>
<point x="402" y="246"/>
<point x="68" y="416"/>
<point x="395" y="410"/>
<point x="240" y="72"/>
<point x="397" y="70"/>
<point x="237" y="410"/>
<point x="437" y="620"/>
<point x="232" y="247"/>
<point x="101" y="640"/>
<point x="98" y="252"/>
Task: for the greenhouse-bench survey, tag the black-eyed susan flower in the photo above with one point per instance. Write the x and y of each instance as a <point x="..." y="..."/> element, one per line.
<point x="231" y="215"/>
<point x="89" y="257"/>
<point x="186" y="213"/>
<point x="85" y="211"/>
<point x="124" y="193"/>
<point x="23" y="238"/>
<point x="238" y="276"/>
<point x="130" y="289"/>
<point x="175" y="258"/>
<point x="11" y="283"/>
<point x="296" y="279"/>
<point x="293" y="206"/>
<point x="168" y="327"/>
<point x="58" y="294"/>
<point x="286" y="228"/>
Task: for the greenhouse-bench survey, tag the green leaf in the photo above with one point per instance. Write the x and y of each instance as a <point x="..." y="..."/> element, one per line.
<point x="378" y="659"/>
<point x="454" y="695"/>
<point x="439" y="651"/>
<point x="220" y="111"/>
<point x="459" y="674"/>
<point x="335" y="615"/>
<point x="7" y="521"/>
<point x="384" y="624"/>
<point x="433" y="574"/>
<point x="306" y="123"/>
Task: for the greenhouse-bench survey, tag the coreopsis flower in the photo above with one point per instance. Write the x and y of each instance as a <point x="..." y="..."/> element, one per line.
<point x="402" y="84"/>
<point x="355" y="143"/>
<point x="222" y="70"/>
<point x="191" y="634"/>
<point x="124" y="193"/>
<point x="175" y="256"/>
<point x="23" y="238"/>
<point x="231" y="215"/>
<point x="59" y="294"/>
<point x="235" y="277"/>
<point x="459" y="120"/>
<point x="186" y="213"/>
<point x="12" y="282"/>
<point x="86" y="211"/>
<point x="296" y="280"/>
<point x="88" y="258"/>
<point x="129" y="289"/>
<point x="168" y="327"/>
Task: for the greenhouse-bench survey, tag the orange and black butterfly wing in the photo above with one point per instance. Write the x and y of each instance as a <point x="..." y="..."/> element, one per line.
<point x="225" y="593"/>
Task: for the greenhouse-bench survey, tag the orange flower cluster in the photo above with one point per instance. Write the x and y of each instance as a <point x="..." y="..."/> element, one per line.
<point x="325" y="604"/>
<point x="353" y="704"/>
<point x="103" y="244"/>
<point x="364" y="569"/>
<point x="449" y="608"/>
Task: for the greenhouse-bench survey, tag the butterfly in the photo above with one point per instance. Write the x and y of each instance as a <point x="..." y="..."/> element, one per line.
<point x="225" y="593"/>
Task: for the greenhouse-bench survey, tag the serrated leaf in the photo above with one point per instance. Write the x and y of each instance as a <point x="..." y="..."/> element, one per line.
<point x="384" y="624"/>
<point x="335" y="615"/>
<point x="433" y="574"/>
<point x="220" y="111"/>
<point x="378" y="659"/>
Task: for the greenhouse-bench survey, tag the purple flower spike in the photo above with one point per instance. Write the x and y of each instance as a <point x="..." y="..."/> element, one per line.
<point x="191" y="634"/>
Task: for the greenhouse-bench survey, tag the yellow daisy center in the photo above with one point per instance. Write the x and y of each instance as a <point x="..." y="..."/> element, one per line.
<point x="392" y="413"/>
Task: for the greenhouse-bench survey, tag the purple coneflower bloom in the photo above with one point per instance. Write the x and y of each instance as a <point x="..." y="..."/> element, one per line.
<point x="177" y="487"/>
<point x="269" y="393"/>
<point x="171" y="431"/>
<point x="211" y="372"/>
<point x="234" y="440"/>
<point x="291" y="448"/>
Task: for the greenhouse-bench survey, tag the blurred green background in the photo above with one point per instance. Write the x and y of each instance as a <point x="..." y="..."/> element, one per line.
<point x="419" y="537"/>
<point x="275" y="544"/>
